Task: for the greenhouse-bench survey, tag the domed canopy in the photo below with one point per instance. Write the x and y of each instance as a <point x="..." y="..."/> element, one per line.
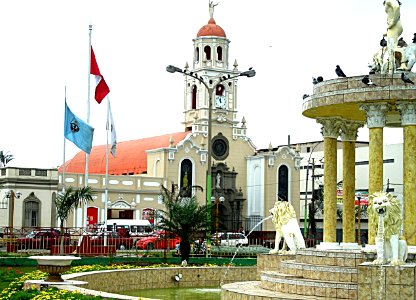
<point x="131" y="156"/>
<point x="211" y="29"/>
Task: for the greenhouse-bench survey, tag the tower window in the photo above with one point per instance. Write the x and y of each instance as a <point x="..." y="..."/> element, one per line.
<point x="219" y="53"/>
<point x="197" y="54"/>
<point x="220" y="90"/>
<point x="207" y="51"/>
<point x="194" y="97"/>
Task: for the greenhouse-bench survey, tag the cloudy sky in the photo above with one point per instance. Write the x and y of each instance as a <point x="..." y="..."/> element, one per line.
<point x="45" y="48"/>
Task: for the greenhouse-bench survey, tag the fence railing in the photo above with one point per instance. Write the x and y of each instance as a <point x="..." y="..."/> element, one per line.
<point x="82" y="242"/>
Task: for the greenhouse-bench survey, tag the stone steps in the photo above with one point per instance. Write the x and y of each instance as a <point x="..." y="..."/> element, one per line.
<point x="292" y="284"/>
<point x="319" y="272"/>
<point x="250" y="290"/>
<point x="340" y="258"/>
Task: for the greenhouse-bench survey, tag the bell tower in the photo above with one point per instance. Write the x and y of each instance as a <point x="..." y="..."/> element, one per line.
<point x="211" y="64"/>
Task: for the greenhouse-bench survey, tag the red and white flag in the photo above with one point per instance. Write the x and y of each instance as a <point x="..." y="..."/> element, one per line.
<point x="102" y="88"/>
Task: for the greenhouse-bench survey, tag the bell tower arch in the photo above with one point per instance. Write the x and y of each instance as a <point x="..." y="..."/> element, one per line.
<point x="210" y="63"/>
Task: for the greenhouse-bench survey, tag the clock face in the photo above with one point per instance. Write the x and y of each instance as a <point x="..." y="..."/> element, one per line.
<point x="220" y="101"/>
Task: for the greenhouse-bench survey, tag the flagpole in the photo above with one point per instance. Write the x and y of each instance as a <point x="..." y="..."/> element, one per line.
<point x="63" y="165"/>
<point x="84" y="224"/>
<point x="106" y="170"/>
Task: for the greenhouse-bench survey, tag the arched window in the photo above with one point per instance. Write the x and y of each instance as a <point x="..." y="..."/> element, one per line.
<point x="207" y="51"/>
<point x="283" y="186"/>
<point x="197" y="54"/>
<point x="194" y="96"/>
<point x="31" y="211"/>
<point x="219" y="53"/>
<point x="186" y="176"/>
<point x="220" y="90"/>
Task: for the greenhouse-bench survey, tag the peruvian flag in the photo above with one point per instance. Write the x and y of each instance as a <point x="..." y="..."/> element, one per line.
<point x="102" y="88"/>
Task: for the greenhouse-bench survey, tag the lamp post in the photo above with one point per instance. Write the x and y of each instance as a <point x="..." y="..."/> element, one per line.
<point x="211" y="87"/>
<point x="305" y="216"/>
<point x="217" y="202"/>
<point x="11" y="195"/>
<point x="359" y="219"/>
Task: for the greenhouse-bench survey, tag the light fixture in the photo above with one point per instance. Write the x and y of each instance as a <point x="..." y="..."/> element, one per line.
<point x="177" y="277"/>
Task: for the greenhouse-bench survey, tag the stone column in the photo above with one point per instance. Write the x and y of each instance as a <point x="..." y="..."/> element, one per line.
<point x="376" y="120"/>
<point x="330" y="132"/>
<point x="408" y="114"/>
<point x="349" y="136"/>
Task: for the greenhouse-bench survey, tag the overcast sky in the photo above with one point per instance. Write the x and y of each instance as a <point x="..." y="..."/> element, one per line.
<point x="45" y="48"/>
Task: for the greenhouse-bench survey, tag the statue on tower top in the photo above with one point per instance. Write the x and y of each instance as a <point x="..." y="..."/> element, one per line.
<point x="211" y="9"/>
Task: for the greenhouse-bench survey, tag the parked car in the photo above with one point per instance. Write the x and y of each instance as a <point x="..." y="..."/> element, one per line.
<point x="233" y="239"/>
<point x="121" y="242"/>
<point x="160" y="240"/>
<point x="41" y="239"/>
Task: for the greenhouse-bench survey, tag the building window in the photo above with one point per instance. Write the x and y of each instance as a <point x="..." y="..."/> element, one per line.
<point x="220" y="90"/>
<point x="207" y="51"/>
<point x="186" y="176"/>
<point x="194" y="90"/>
<point x="283" y="186"/>
<point x="219" y="53"/>
<point x="197" y="54"/>
<point x="31" y="208"/>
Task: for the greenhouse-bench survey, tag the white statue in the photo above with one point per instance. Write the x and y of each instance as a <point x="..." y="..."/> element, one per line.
<point x="394" y="30"/>
<point x="211" y="9"/>
<point x="287" y="227"/>
<point x="394" y="25"/>
<point x="408" y="57"/>
<point x="385" y="212"/>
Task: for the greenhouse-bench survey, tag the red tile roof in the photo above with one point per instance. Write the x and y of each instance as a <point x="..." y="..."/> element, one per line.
<point x="211" y="29"/>
<point x="131" y="156"/>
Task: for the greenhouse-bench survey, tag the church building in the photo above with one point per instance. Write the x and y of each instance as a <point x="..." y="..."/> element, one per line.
<point x="245" y="180"/>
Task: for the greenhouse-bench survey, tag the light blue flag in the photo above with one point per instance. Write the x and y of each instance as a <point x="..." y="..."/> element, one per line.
<point x="77" y="131"/>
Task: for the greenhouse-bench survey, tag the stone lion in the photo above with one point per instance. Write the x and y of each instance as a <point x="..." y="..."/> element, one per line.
<point x="287" y="227"/>
<point x="385" y="213"/>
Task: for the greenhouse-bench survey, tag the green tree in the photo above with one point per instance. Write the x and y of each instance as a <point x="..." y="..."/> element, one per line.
<point x="66" y="202"/>
<point x="183" y="216"/>
<point x="5" y="158"/>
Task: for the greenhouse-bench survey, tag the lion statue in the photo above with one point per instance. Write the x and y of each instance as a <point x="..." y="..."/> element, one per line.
<point x="287" y="227"/>
<point x="385" y="212"/>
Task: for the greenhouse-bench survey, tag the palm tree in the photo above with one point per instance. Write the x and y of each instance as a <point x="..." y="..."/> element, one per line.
<point x="183" y="216"/>
<point x="5" y="158"/>
<point x="66" y="202"/>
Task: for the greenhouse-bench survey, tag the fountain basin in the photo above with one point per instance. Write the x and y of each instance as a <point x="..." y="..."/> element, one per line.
<point x="54" y="265"/>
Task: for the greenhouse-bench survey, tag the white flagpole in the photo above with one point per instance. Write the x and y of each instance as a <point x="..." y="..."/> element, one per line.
<point x="84" y="224"/>
<point x="63" y="165"/>
<point x="106" y="170"/>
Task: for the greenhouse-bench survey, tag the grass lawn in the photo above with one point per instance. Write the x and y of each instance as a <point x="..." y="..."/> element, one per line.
<point x="8" y="274"/>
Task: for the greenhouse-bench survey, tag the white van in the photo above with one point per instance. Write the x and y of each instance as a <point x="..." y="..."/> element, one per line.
<point x="135" y="227"/>
<point x="233" y="239"/>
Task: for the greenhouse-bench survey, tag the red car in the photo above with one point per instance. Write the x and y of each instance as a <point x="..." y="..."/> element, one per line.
<point x="121" y="242"/>
<point x="159" y="241"/>
<point x="41" y="239"/>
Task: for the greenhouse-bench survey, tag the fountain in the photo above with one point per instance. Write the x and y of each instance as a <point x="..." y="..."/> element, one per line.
<point x="54" y="265"/>
<point x="238" y="248"/>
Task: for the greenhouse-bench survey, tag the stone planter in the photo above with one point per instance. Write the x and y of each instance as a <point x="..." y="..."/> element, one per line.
<point x="54" y="266"/>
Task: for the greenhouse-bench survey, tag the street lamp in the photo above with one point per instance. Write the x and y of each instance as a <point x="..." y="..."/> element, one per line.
<point x="359" y="219"/>
<point x="11" y="195"/>
<point x="211" y="87"/>
<point x="305" y="216"/>
<point x="217" y="202"/>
